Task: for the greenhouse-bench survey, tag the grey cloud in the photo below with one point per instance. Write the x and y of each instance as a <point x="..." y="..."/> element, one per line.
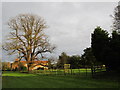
<point x="70" y="24"/>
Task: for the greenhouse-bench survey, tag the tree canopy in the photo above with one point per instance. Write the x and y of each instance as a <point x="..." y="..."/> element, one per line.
<point x="106" y="48"/>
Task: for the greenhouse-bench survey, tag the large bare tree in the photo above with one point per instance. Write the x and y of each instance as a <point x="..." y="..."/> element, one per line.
<point x="27" y="37"/>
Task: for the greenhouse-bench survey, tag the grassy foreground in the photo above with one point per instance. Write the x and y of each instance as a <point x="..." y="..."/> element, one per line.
<point x="23" y="80"/>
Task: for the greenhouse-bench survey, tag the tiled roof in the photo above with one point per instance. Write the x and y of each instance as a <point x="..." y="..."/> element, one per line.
<point x="37" y="62"/>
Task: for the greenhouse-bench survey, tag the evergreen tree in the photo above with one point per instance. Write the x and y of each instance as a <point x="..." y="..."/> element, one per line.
<point x="114" y="54"/>
<point x="63" y="59"/>
<point x="74" y="61"/>
<point x="100" y="45"/>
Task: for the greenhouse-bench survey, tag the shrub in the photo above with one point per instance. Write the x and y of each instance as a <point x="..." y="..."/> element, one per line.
<point x="23" y="68"/>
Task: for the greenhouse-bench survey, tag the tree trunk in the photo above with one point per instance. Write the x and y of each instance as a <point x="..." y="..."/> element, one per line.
<point x="107" y="68"/>
<point x="86" y="70"/>
<point x="28" y="61"/>
<point x="28" y="64"/>
<point x="92" y="71"/>
<point x="11" y="66"/>
<point x="28" y="68"/>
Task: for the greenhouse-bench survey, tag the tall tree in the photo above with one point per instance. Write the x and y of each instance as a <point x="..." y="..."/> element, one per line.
<point x="88" y="57"/>
<point x="63" y="59"/>
<point x="116" y="17"/>
<point x="100" y="45"/>
<point x="114" y="54"/>
<point x="27" y="37"/>
<point x="74" y="61"/>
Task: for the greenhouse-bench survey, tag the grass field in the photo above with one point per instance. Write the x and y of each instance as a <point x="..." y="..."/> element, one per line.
<point x="24" y="80"/>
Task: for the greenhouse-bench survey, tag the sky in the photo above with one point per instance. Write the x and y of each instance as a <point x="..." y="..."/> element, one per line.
<point x="70" y="23"/>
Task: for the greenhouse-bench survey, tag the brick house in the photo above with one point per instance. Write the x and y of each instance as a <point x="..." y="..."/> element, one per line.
<point x="34" y="65"/>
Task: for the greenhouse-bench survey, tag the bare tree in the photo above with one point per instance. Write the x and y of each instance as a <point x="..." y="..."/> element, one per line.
<point x="27" y="37"/>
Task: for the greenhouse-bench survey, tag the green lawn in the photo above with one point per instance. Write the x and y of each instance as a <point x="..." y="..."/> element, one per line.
<point x="23" y="80"/>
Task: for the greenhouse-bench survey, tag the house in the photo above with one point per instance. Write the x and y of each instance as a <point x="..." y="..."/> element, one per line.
<point x="35" y="65"/>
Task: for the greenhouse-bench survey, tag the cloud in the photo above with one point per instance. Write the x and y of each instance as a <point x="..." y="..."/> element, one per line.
<point x="70" y="24"/>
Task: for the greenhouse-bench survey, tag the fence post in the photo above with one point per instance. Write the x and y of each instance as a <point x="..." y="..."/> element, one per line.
<point x="86" y="71"/>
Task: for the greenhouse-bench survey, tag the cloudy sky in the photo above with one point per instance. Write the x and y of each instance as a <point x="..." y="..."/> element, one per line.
<point x="70" y="24"/>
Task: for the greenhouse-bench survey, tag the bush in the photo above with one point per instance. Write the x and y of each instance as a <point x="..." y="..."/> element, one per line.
<point x="23" y="68"/>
